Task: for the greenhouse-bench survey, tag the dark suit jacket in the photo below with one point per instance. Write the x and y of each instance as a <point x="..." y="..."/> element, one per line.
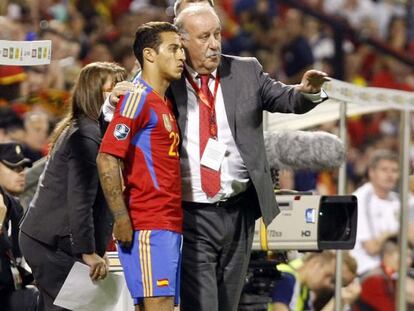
<point x="69" y="210"/>
<point x="247" y="92"/>
<point x="9" y="244"/>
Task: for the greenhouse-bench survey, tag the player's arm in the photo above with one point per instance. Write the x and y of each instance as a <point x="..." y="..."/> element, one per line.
<point x="109" y="168"/>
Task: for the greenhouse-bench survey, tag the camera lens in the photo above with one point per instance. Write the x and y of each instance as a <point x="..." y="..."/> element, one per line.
<point x="337" y="221"/>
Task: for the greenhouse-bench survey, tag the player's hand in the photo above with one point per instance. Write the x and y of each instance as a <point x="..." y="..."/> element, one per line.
<point x="123" y="230"/>
<point x="312" y="81"/>
<point x="121" y="88"/>
<point x="98" y="266"/>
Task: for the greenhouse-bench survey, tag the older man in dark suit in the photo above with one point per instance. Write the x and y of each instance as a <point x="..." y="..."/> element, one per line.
<point x="226" y="177"/>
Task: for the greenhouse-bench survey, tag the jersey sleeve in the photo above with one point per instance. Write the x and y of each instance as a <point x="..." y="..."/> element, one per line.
<point x="129" y="118"/>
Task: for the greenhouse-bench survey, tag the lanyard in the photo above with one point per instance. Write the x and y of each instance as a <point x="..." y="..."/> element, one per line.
<point x="200" y="94"/>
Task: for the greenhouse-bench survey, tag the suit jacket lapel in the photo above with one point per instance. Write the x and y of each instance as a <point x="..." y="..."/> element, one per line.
<point x="179" y="96"/>
<point x="228" y="88"/>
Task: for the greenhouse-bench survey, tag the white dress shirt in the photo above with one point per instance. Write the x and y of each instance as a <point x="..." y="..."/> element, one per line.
<point x="234" y="177"/>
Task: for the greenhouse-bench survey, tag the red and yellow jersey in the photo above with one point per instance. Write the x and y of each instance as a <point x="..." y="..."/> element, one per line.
<point x="144" y="134"/>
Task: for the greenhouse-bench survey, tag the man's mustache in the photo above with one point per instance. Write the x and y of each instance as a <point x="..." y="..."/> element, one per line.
<point x="213" y="53"/>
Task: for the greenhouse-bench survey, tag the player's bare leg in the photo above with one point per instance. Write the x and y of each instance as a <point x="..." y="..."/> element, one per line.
<point x="158" y="304"/>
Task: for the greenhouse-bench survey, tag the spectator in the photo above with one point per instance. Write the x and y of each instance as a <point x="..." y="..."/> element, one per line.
<point x="378" y="209"/>
<point x="325" y="301"/>
<point x="13" y="277"/>
<point x="11" y="78"/>
<point x="35" y="81"/>
<point x="11" y="126"/>
<point x="296" y="53"/>
<point x="299" y="278"/>
<point x="36" y="124"/>
<point x="356" y="12"/>
<point x="379" y="285"/>
<point x="12" y="168"/>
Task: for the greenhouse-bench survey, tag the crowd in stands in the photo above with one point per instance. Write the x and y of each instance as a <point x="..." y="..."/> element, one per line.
<point x="285" y="40"/>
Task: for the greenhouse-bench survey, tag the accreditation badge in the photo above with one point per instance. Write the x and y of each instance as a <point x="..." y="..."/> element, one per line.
<point x="167" y="122"/>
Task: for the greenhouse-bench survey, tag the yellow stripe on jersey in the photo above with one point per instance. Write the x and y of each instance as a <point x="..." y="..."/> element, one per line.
<point x="128" y="105"/>
<point x="135" y="105"/>
<point x="133" y="101"/>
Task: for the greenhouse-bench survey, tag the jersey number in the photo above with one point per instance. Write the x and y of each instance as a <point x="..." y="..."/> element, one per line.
<point x="173" y="152"/>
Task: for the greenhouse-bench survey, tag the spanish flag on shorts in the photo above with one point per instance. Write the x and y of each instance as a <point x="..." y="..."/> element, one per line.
<point x="162" y="283"/>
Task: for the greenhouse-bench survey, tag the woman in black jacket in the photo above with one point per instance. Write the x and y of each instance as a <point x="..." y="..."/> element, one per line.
<point x="68" y="219"/>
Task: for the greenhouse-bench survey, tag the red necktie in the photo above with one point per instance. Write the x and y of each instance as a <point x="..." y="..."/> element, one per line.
<point x="210" y="179"/>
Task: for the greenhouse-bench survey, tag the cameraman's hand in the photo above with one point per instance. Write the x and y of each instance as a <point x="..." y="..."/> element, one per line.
<point x="98" y="266"/>
<point x="121" y="88"/>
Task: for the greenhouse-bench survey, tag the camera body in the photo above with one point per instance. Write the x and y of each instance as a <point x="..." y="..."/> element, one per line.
<point x="309" y="222"/>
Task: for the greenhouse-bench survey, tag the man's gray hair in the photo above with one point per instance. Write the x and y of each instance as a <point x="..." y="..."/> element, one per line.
<point x="382" y="154"/>
<point x="195" y="8"/>
<point x="178" y="3"/>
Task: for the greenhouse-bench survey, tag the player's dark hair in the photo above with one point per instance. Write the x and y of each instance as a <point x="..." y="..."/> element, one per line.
<point x="148" y="36"/>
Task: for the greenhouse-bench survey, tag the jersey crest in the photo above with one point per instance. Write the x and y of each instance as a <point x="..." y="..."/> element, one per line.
<point x="167" y="122"/>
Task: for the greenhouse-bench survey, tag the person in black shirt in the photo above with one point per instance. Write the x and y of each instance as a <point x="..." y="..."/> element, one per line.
<point x="68" y="219"/>
<point x="13" y="277"/>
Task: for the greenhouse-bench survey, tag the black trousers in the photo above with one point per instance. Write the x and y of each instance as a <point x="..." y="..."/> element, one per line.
<point x="216" y="253"/>
<point x="24" y="299"/>
<point x="50" y="267"/>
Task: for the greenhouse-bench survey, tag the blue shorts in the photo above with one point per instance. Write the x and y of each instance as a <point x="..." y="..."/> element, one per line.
<point x="152" y="265"/>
